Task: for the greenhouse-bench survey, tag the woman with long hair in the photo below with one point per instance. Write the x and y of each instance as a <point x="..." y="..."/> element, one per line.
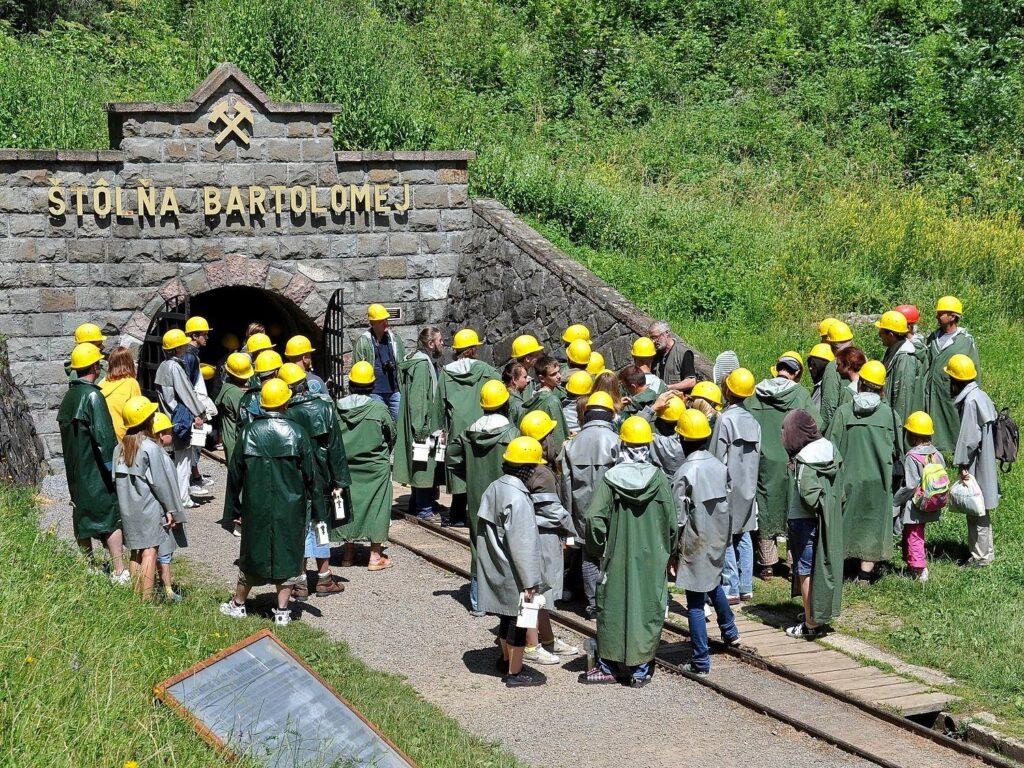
<point x="119" y="386"/>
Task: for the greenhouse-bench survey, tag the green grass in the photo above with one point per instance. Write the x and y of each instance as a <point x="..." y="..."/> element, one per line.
<point x="80" y="659"/>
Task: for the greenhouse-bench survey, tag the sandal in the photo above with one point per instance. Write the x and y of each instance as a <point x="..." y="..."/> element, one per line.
<point x="381" y="565"/>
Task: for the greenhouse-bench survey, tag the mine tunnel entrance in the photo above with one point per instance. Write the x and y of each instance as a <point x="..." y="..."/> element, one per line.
<point x="230" y="311"/>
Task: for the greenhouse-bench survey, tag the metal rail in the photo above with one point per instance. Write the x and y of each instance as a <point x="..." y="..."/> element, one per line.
<point x="758" y="661"/>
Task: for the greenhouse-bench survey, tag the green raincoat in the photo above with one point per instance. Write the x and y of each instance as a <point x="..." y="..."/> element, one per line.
<point x="831" y="383"/>
<point x="460" y="385"/>
<point x="319" y="418"/>
<point x="869" y="437"/>
<point x="631" y="529"/>
<point x="369" y="434"/>
<point x="937" y="400"/>
<point x="474" y="457"/>
<point x="88" y="441"/>
<point x="515" y="407"/>
<point x="228" y="402"/>
<point x="638" y="402"/>
<point x="817" y="491"/>
<point x="365" y="347"/>
<point x="771" y="401"/>
<point x="904" y="379"/>
<point x="271" y="479"/>
<point x="418" y="418"/>
<point x="549" y="401"/>
<point x="249" y="406"/>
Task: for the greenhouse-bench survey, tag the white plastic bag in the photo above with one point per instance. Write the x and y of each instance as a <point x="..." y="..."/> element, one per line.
<point x="965" y="497"/>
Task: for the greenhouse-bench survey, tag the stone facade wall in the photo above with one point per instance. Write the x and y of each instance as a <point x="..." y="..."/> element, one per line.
<point x="514" y="281"/>
<point x="21" y="451"/>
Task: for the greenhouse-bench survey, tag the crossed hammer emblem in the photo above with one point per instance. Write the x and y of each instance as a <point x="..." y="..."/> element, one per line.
<point x="232" y="123"/>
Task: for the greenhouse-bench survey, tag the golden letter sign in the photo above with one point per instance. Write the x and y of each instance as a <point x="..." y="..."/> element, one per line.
<point x="232" y="123"/>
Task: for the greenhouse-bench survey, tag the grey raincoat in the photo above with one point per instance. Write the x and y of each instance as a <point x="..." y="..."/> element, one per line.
<point x="173" y="387"/>
<point x="146" y="491"/>
<point x="508" y="550"/>
<point x="701" y="490"/>
<point x="975" y="448"/>
<point x="736" y="442"/>
<point x="584" y="459"/>
<point x="553" y="523"/>
<point x="666" y="450"/>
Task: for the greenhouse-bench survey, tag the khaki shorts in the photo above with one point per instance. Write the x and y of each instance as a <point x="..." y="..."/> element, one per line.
<point x="252" y="580"/>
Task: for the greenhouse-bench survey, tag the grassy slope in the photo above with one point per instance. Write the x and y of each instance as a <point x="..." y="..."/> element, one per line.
<point x="742" y="168"/>
<point x="80" y="658"/>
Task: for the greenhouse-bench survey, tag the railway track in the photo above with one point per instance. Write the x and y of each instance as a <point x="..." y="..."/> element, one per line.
<point x="852" y="725"/>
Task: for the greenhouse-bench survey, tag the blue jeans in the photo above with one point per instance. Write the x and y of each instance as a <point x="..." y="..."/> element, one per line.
<point x="423" y="501"/>
<point x="739" y="579"/>
<point x="474" y="594"/>
<point x="698" y="627"/>
<point x="392" y="401"/>
<point x="312" y="548"/>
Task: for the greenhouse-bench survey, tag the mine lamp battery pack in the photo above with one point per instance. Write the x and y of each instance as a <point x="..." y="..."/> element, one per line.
<point x="340" y="513"/>
<point x="199" y="435"/>
<point x="439" y="449"/>
<point x="421" y="451"/>
<point x="528" y="610"/>
<point x="322" y="537"/>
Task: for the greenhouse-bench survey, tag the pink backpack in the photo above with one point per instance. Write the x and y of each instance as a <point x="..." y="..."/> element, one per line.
<point x="932" y="494"/>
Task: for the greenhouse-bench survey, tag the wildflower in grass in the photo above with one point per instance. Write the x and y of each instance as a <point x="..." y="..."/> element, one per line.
<point x="131" y="764"/>
<point x="30" y="660"/>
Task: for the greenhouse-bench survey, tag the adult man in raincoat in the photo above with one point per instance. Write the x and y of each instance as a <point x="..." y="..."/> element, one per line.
<point x="368" y="434"/>
<point x="947" y="340"/>
<point x="701" y="491"/>
<point x="272" y="487"/>
<point x="837" y="335"/>
<point x="772" y="400"/>
<point x="384" y="350"/>
<point x="475" y="458"/>
<point x="904" y="383"/>
<point x="631" y="529"/>
<point x="869" y="437"/>
<point x="584" y="460"/>
<point x="88" y="441"/>
<point x="419" y="421"/>
<point x="460" y="384"/>
<point x="319" y="418"/>
<point x="736" y="442"/>
<point x="975" y="453"/>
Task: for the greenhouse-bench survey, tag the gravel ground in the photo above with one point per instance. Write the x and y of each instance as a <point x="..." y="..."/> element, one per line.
<point x="411" y="620"/>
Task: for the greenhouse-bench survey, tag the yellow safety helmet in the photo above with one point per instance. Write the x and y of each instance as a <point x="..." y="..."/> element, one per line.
<point x="595" y="366"/>
<point x="207" y="371"/>
<point x="161" y="423"/>
<point x="673" y="410"/>
<point x="525" y="345"/>
<point x="362" y="373"/>
<point x="578" y="352"/>
<point x="600" y="400"/>
<point x="257" y="343"/>
<point x="636" y="430"/>
<point x="959" y="367"/>
<point x="822" y="352"/>
<point x="377" y="312"/>
<point x="893" y="321"/>
<point x="465" y="338"/>
<point x="741" y="382"/>
<point x="580" y="383"/>
<point x="709" y="391"/>
<point x="239" y="365"/>
<point x="576" y="331"/>
<point x="298" y="346"/>
<point x="88" y="332"/>
<point x="537" y="424"/>
<point x="85" y="356"/>
<point x="230" y="342"/>
<point x="197" y="324"/>
<point x="493" y="395"/>
<point x="693" y="425"/>
<point x="838" y="332"/>
<point x="824" y="325"/>
<point x="920" y="423"/>
<point x="949" y="304"/>
<point x="274" y="393"/>
<point x="524" y="450"/>
<point x="136" y="410"/>
<point x="791" y="355"/>
<point x="290" y="373"/>
<point x="268" y="360"/>
<point x="644" y="347"/>
<point x="174" y="338"/>
<point x="874" y="372"/>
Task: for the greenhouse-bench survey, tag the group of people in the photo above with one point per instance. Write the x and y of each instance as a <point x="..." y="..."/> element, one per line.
<point x="569" y="476"/>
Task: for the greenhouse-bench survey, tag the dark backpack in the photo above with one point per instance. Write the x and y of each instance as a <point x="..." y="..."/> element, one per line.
<point x="1006" y="436"/>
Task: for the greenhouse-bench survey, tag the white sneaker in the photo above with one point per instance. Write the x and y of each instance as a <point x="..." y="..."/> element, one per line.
<point x="232" y="609"/>
<point x="282" y="618"/>
<point x="207" y="481"/>
<point x="237" y="530"/>
<point x="709" y="612"/>
<point x="922" y="575"/>
<point x="562" y="648"/>
<point x="538" y="655"/>
<point x="122" y="579"/>
<point x="199" y="492"/>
